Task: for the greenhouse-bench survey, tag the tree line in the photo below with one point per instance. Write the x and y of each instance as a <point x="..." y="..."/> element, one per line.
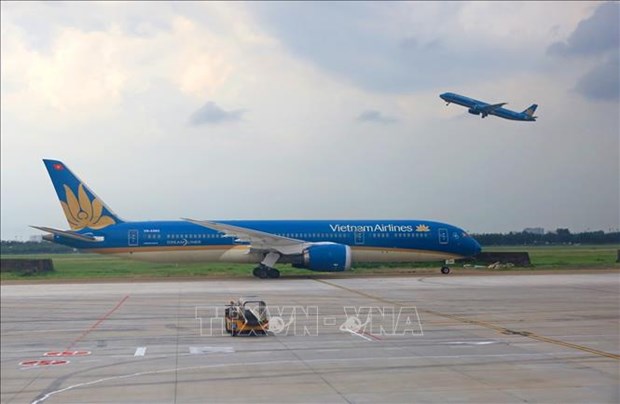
<point x="559" y="236"/>
<point x="33" y="247"/>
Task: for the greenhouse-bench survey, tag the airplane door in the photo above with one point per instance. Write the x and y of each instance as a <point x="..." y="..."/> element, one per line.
<point x="132" y="237"/>
<point x="359" y="238"/>
<point x="443" y="236"/>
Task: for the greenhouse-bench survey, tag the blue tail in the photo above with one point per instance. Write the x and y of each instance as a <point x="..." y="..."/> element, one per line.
<point x="82" y="207"/>
<point x="530" y="110"/>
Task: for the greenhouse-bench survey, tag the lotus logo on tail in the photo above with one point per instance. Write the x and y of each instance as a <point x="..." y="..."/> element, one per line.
<point x="81" y="212"/>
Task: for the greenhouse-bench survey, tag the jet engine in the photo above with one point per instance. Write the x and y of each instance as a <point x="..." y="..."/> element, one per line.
<point x="326" y="257"/>
<point x="473" y="111"/>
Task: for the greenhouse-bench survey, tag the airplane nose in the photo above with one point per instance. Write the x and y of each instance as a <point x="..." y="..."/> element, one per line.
<point x="475" y="246"/>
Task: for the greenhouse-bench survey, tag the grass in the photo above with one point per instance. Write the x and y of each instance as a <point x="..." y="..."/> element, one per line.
<point x="83" y="266"/>
<point x="93" y="266"/>
<point x="570" y="256"/>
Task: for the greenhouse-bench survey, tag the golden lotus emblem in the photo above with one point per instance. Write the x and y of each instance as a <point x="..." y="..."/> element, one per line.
<point x="81" y="212"/>
<point x="422" y="228"/>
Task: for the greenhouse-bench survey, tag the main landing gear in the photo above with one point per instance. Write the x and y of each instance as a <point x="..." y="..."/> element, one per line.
<point x="264" y="272"/>
<point x="265" y="269"/>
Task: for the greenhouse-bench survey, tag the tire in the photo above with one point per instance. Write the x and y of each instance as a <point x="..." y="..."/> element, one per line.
<point x="445" y="270"/>
<point x="273" y="273"/>
<point x="263" y="273"/>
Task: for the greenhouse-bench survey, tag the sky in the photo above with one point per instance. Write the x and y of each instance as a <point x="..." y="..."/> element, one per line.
<point x="313" y="110"/>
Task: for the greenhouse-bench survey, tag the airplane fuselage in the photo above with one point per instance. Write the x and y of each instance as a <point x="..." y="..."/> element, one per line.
<point x="370" y="240"/>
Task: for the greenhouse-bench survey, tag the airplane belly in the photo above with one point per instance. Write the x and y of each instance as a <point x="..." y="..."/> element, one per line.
<point x="232" y="254"/>
<point x="397" y="255"/>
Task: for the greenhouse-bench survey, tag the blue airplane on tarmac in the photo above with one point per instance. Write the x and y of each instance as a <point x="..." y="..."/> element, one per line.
<point x="483" y="109"/>
<point x="317" y="245"/>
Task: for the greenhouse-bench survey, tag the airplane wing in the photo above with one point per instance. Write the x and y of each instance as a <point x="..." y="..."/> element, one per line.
<point x="259" y="240"/>
<point x="68" y="234"/>
<point x="490" y="108"/>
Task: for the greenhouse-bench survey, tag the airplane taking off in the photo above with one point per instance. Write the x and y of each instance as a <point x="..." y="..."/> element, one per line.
<point x="317" y="245"/>
<point x="483" y="109"/>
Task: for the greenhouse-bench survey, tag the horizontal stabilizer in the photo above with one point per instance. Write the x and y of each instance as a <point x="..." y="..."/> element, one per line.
<point x="68" y="234"/>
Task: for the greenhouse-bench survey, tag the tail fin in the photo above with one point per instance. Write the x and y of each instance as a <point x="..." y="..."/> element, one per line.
<point x="530" y="110"/>
<point x="82" y="207"/>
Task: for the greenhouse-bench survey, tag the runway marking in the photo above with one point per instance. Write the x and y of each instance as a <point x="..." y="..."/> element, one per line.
<point x="201" y="350"/>
<point x="469" y="343"/>
<point x="67" y="353"/>
<point x="140" y="351"/>
<point x="373" y="336"/>
<point x="99" y="321"/>
<point x="39" y="363"/>
<point x="359" y="335"/>
<point x="526" y="334"/>
<point x="407" y="359"/>
<point x="484" y="324"/>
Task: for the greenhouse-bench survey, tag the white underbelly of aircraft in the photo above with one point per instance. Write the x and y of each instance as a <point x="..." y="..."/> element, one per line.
<point x="397" y="255"/>
<point x="239" y="254"/>
<point x="226" y="254"/>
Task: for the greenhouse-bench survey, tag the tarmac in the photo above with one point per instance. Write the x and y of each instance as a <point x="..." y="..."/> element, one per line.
<point x="486" y="339"/>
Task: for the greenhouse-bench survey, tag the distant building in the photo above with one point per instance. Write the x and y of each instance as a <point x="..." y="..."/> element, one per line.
<point x="534" y="230"/>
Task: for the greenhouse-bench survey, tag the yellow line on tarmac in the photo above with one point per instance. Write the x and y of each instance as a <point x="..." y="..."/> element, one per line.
<point x="484" y="324"/>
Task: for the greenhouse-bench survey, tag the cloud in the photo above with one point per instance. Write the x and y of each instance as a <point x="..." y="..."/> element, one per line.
<point x="596" y="37"/>
<point x="409" y="47"/>
<point x="375" y="116"/>
<point x="210" y="113"/>
<point x="597" y="34"/>
<point x="86" y="73"/>
<point x="602" y="82"/>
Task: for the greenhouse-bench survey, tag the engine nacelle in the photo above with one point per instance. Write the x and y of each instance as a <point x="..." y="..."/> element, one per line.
<point x="473" y="111"/>
<point x="327" y="257"/>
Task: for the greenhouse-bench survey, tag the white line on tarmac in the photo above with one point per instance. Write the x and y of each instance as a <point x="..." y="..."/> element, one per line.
<point x="45" y="396"/>
<point x="469" y="343"/>
<point x="359" y="335"/>
<point x="140" y="351"/>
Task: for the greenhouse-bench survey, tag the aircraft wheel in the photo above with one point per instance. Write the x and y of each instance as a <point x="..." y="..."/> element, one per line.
<point x="273" y="273"/>
<point x="262" y="272"/>
<point x="445" y="270"/>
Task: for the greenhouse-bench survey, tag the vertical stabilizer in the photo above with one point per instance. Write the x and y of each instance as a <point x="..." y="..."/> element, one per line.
<point x="530" y="110"/>
<point x="82" y="207"/>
